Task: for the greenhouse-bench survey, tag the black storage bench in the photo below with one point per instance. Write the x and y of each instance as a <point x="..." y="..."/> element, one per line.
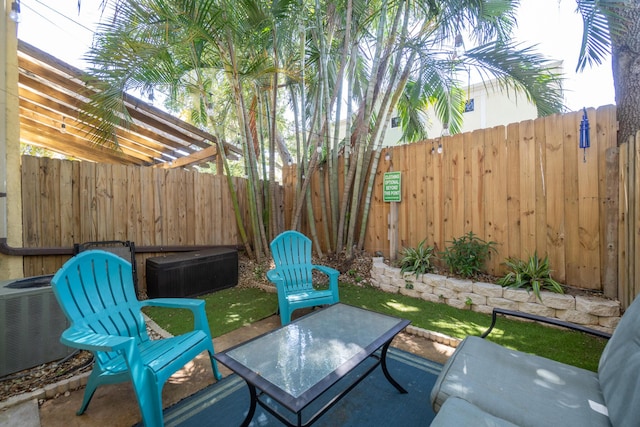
<point x="192" y="273"/>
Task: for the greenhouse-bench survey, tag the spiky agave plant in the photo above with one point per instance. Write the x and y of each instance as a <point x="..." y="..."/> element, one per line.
<point x="417" y="260"/>
<point x="532" y="275"/>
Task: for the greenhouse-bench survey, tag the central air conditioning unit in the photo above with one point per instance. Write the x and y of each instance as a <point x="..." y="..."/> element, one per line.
<point x="31" y="323"/>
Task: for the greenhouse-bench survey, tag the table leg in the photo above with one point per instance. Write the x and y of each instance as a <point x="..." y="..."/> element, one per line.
<point x="383" y="362"/>
<point x="252" y="406"/>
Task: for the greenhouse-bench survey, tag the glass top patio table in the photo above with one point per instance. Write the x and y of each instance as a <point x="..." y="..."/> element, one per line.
<point x="296" y="363"/>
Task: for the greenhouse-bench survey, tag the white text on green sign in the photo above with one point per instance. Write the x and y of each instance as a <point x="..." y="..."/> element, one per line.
<point x="392" y="187"/>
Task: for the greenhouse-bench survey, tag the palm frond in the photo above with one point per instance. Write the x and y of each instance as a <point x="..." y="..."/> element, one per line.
<point x="519" y="68"/>
<point x="601" y="20"/>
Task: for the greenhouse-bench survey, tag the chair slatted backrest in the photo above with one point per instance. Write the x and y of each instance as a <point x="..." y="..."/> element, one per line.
<point x="291" y="252"/>
<point x="96" y="291"/>
<point x="124" y="249"/>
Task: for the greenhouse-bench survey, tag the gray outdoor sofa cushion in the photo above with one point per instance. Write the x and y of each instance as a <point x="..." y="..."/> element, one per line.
<point x="529" y="390"/>
<point x="619" y="369"/>
<point x="458" y="412"/>
<point x="522" y="388"/>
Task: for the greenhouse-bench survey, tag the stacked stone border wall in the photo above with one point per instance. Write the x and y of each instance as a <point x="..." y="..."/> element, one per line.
<point x="591" y="311"/>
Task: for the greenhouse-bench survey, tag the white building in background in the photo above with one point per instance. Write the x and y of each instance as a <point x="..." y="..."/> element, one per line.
<point x="487" y="106"/>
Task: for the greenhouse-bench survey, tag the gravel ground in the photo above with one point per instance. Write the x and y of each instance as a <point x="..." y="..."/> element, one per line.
<point x="250" y="274"/>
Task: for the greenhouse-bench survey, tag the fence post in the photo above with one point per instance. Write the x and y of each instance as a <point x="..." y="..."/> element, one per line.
<point x="393" y="231"/>
<point x="611" y="224"/>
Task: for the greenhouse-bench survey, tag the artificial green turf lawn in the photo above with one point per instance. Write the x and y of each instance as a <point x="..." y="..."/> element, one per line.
<point x="232" y="308"/>
<point x="227" y="310"/>
<point x="569" y="347"/>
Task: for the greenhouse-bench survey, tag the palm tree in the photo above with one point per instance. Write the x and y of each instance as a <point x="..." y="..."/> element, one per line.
<point x="612" y="27"/>
<point x="404" y="43"/>
<point x="625" y="54"/>
<point x="181" y="49"/>
<point x="351" y="60"/>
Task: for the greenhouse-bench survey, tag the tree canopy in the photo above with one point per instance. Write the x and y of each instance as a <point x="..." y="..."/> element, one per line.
<point x="312" y="83"/>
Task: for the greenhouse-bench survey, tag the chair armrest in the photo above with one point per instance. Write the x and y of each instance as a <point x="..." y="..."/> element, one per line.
<point x="87" y="340"/>
<point x="278" y="280"/>
<point x="327" y="270"/>
<point x="196" y="306"/>
<point x="188" y="303"/>
<point x="542" y="319"/>
<point x="333" y="275"/>
<point x="274" y="276"/>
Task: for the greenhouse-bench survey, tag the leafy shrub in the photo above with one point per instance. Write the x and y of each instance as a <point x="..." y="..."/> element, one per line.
<point x="466" y="256"/>
<point x="532" y="275"/>
<point x="417" y="260"/>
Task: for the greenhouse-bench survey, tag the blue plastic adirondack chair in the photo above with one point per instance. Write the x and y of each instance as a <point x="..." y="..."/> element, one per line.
<point x="96" y="292"/>
<point x="292" y="276"/>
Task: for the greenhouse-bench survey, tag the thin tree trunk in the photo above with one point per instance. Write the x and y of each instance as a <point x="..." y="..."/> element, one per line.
<point x="296" y="121"/>
<point x="377" y="151"/>
<point x="312" y="224"/>
<point x="234" y="200"/>
<point x="318" y="118"/>
<point x="255" y="203"/>
<point x="362" y="127"/>
<point x="334" y="191"/>
<point x="311" y="165"/>
<point x="272" y="136"/>
<point x="325" y="109"/>
<point x="265" y="182"/>
<point x="301" y="143"/>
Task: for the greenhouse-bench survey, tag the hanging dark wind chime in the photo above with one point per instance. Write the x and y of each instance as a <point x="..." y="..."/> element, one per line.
<point x="585" y="141"/>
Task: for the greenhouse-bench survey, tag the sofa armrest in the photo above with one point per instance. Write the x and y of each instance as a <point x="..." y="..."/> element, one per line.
<point x="542" y="319"/>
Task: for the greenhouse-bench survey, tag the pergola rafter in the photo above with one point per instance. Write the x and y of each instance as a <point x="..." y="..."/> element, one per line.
<point x="52" y="94"/>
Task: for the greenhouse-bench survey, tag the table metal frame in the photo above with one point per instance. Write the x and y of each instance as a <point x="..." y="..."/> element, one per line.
<point x="259" y="386"/>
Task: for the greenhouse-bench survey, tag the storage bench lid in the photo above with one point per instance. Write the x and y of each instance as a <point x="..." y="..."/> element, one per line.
<point x="195" y="256"/>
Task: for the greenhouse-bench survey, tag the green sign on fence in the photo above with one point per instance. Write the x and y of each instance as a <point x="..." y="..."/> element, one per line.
<point x="391" y="187"/>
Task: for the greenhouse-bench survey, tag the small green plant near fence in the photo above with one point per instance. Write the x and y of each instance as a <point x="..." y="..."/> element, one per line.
<point x="355" y="275"/>
<point x="417" y="260"/>
<point x="259" y="272"/>
<point x="467" y="255"/>
<point x="532" y="275"/>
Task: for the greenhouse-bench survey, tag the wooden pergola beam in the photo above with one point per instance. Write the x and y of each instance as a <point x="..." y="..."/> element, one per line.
<point x="52" y="96"/>
<point x="194" y="158"/>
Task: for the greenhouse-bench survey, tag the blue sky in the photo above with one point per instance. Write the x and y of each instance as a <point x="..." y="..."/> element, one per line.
<point x="551" y="24"/>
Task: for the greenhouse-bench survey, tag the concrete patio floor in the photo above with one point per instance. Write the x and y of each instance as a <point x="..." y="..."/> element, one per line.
<point x="116" y="405"/>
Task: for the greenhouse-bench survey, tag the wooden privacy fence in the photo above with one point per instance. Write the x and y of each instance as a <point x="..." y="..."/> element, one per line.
<point x="527" y="186"/>
<point x="67" y="202"/>
<point x="629" y="229"/>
